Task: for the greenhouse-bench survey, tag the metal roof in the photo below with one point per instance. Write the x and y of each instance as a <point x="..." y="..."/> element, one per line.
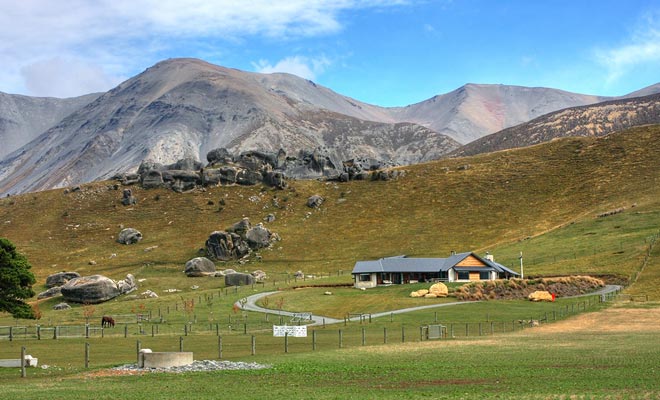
<point x="405" y="264"/>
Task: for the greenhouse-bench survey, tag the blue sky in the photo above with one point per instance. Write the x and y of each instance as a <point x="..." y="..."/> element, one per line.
<point x="385" y="52"/>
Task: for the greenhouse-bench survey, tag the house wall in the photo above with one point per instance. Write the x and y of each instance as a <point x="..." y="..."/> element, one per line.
<point x="372" y="283"/>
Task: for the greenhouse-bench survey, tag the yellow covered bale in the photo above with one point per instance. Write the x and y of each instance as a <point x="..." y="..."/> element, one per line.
<point x="439" y="290"/>
<point x="430" y="296"/>
<point x="540" y="295"/>
<point x="419" y="293"/>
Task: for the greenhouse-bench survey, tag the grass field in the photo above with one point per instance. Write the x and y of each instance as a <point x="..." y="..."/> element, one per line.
<point x="609" y="354"/>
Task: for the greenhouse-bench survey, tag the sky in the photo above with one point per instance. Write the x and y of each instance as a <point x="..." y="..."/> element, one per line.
<point x="383" y="52"/>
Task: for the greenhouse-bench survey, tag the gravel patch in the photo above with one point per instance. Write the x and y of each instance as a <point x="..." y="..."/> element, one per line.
<point x="196" y="366"/>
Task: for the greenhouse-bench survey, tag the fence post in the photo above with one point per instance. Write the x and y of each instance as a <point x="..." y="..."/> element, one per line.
<point x="125" y="330"/>
<point x="403" y="334"/>
<point x="254" y="345"/>
<point x="313" y="340"/>
<point x="480" y="330"/>
<point x="492" y="328"/>
<point x="86" y="331"/>
<point x="138" y="347"/>
<point x="220" y="347"/>
<point x="86" y="355"/>
<point x="23" y="372"/>
<point x="11" y="333"/>
<point x="421" y="333"/>
<point x="180" y="344"/>
<point x="364" y="339"/>
<point x="341" y="339"/>
<point x="467" y="329"/>
<point x="385" y="335"/>
<point x="185" y="329"/>
<point x="286" y="342"/>
<point x="55" y="332"/>
<point x="38" y="332"/>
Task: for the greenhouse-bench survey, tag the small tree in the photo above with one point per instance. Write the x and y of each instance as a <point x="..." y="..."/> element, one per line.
<point x="16" y="281"/>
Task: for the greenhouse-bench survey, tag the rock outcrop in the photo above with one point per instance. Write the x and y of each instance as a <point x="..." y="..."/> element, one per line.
<point x="238" y="241"/>
<point x="252" y="168"/>
<point x="96" y="289"/>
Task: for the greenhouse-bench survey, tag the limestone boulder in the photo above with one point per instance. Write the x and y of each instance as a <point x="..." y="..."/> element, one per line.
<point x="60" y="278"/>
<point x="96" y="289"/>
<point x="239" y="279"/>
<point x="315" y="201"/>
<point x="259" y="275"/>
<point x="199" y="266"/>
<point x="439" y="289"/>
<point x="129" y="236"/>
<point x="225" y="246"/>
<point x="258" y="237"/>
<point x="61" y="306"/>
<point x="152" y="179"/>
<point x="128" y="198"/>
<point x="52" y="292"/>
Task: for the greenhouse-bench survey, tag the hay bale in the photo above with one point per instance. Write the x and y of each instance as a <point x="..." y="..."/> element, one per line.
<point x="419" y="293"/>
<point x="540" y="295"/>
<point x="430" y="296"/>
<point x="439" y="290"/>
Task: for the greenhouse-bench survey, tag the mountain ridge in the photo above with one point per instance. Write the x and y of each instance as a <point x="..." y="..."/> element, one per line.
<point x="186" y="107"/>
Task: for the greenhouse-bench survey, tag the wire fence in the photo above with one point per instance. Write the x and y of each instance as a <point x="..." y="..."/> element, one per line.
<point x="261" y="325"/>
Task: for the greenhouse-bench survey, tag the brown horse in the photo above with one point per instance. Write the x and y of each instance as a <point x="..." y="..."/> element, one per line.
<point x="107" y="321"/>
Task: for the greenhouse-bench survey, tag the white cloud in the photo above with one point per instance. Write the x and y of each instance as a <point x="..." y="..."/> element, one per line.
<point x="110" y="37"/>
<point x="60" y="77"/>
<point x="304" y="67"/>
<point x="643" y="48"/>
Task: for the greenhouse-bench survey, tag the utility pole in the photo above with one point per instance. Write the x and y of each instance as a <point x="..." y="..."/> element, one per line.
<point x="522" y="275"/>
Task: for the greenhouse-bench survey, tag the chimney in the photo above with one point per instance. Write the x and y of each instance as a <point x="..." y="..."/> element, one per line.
<point x="490" y="257"/>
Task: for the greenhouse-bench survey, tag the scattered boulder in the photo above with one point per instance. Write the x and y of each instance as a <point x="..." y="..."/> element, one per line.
<point x="96" y="289"/>
<point x="129" y="236"/>
<point x="315" y="201"/>
<point x="541" y="295"/>
<point x="258" y="237"/>
<point x="61" y="306"/>
<point x="239" y="279"/>
<point x="225" y="272"/>
<point x="60" y="278"/>
<point x="128" y="198"/>
<point x="199" y="266"/>
<point x="259" y="275"/>
<point x="439" y="289"/>
<point x="148" y="295"/>
<point x="269" y="218"/>
<point x="299" y="275"/>
<point x="52" y="292"/>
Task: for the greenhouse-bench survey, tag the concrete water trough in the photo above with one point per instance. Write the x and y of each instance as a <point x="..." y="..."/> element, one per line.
<point x="164" y="359"/>
<point x="16" y="362"/>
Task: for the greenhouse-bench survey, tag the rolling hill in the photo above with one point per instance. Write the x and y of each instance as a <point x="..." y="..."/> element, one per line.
<point x="488" y="202"/>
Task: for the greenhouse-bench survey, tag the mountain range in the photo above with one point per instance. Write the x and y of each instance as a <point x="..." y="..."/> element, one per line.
<point x="186" y="107"/>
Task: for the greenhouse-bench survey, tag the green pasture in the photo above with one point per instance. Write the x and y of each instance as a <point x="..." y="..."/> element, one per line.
<point x="520" y="365"/>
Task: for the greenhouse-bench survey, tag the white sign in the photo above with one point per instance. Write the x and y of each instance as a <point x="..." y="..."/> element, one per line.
<point x="291" y="331"/>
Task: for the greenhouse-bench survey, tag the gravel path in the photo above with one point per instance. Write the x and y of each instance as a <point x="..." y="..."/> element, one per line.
<point x="196" y="366"/>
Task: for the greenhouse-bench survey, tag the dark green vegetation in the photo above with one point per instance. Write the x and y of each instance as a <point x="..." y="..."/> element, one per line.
<point x="543" y="201"/>
<point x="15" y="281"/>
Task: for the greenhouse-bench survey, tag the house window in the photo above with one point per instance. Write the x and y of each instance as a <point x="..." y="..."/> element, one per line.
<point x="365" y="277"/>
<point x="484" y="275"/>
<point x="463" y="275"/>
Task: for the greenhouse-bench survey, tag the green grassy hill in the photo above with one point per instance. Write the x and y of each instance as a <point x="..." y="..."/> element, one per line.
<point x="542" y="200"/>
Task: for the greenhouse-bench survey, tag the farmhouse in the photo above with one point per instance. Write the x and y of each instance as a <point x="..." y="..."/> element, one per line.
<point x="401" y="269"/>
